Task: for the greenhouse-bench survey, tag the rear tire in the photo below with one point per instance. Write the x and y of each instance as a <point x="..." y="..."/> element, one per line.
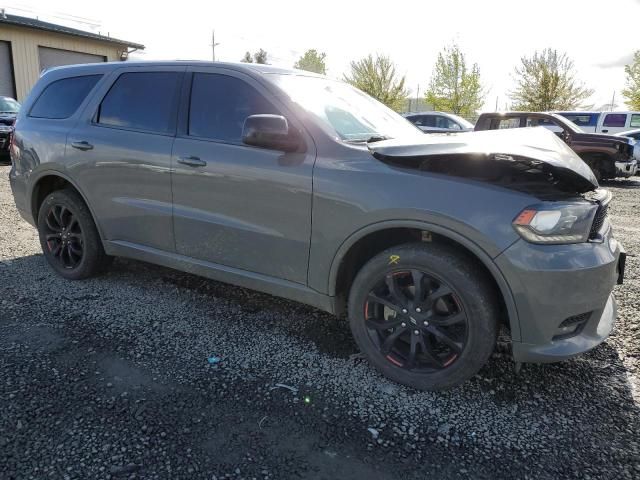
<point x="440" y="338"/>
<point x="69" y="238"/>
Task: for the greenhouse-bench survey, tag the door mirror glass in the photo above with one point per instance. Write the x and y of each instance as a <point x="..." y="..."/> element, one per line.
<point x="270" y="131"/>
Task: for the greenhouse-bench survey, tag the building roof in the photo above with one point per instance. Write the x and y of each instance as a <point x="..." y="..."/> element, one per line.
<point x="16" y="20"/>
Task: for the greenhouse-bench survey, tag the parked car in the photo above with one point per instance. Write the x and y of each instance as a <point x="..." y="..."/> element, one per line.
<point x="8" y="110"/>
<point x="635" y="134"/>
<point x="439" y="122"/>
<point x="607" y="155"/>
<point x="603" y="122"/>
<point x="304" y="187"/>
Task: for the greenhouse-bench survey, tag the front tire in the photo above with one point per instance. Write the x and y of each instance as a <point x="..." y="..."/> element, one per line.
<point x="69" y="238"/>
<point x="425" y="315"/>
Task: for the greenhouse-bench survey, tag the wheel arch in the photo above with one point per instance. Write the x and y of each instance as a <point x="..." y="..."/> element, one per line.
<point x="49" y="181"/>
<point x="378" y="237"/>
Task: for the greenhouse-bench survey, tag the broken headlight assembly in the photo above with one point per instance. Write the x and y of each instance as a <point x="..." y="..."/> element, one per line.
<point x="556" y="224"/>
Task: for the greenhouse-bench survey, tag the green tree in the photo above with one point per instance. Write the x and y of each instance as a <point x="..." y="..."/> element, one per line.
<point x="454" y="87"/>
<point x="312" y="61"/>
<point x="632" y="89"/>
<point x="547" y="81"/>
<point x="377" y="77"/>
<point x="259" y="57"/>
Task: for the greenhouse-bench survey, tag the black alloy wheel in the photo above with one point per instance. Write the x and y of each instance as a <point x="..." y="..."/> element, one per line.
<point x="416" y="320"/>
<point x="64" y="237"/>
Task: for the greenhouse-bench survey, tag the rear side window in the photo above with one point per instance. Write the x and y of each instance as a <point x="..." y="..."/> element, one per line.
<point x="615" y="120"/>
<point x="635" y="120"/>
<point x="142" y="101"/>
<point x="220" y="104"/>
<point x="61" y="99"/>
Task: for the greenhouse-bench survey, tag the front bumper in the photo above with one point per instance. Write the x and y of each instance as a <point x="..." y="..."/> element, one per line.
<point x="555" y="285"/>
<point x="626" y="169"/>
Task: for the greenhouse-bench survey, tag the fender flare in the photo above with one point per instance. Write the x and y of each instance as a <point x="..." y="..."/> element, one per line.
<point x="473" y="247"/>
<point x="35" y="178"/>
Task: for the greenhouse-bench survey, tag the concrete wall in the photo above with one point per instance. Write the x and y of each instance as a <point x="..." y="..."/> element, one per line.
<point x="24" y="49"/>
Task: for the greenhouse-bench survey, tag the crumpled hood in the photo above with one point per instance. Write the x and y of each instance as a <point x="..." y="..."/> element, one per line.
<point x="538" y="148"/>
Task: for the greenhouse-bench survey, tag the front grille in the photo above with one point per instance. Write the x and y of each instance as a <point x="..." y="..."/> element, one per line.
<point x="6" y="121"/>
<point x="598" y="221"/>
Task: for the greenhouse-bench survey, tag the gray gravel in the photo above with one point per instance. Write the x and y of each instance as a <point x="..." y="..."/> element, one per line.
<point x="109" y="378"/>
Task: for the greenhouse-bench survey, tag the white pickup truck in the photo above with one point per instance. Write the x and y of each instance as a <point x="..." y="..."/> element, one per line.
<point x="604" y="122"/>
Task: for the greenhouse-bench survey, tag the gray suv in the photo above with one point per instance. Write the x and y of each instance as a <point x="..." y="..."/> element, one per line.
<point x="304" y="187"/>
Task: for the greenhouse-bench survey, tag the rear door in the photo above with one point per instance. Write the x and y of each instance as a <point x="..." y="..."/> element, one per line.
<point x="122" y="152"/>
<point x="235" y="205"/>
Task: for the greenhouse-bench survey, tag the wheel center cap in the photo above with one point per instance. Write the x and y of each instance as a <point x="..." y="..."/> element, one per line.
<point x="413" y="320"/>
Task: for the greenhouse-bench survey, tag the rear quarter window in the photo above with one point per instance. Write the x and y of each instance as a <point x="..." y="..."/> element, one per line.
<point x="635" y="120"/>
<point x="61" y="99"/>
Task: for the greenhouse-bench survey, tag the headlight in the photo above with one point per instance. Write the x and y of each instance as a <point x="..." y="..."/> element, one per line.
<point x="566" y="223"/>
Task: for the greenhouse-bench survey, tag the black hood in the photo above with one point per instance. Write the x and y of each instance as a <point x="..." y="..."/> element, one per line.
<point x="529" y="152"/>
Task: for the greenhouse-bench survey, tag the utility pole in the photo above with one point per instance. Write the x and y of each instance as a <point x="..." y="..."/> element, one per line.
<point x="213" y="45"/>
<point x="497" y="103"/>
<point x="418" y="98"/>
<point x="613" y="100"/>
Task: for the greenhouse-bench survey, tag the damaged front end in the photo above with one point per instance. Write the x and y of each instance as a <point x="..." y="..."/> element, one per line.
<point x="533" y="160"/>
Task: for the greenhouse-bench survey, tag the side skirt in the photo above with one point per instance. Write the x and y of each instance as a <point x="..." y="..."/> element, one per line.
<point x="254" y="281"/>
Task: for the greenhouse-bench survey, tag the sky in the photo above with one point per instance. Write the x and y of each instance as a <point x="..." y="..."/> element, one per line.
<point x="600" y="36"/>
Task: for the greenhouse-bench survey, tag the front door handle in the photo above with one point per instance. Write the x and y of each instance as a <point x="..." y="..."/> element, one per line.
<point x="605" y="131"/>
<point x="192" y="161"/>
<point x="83" y="145"/>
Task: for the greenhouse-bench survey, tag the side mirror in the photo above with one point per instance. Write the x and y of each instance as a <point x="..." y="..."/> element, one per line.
<point x="269" y="131"/>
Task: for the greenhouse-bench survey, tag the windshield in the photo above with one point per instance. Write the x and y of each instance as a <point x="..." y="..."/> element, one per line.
<point x="344" y="110"/>
<point x="8" y="105"/>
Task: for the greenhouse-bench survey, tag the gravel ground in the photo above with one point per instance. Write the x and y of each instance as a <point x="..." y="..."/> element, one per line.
<point x="109" y="378"/>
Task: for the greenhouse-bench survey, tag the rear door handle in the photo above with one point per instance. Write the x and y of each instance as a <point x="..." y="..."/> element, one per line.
<point x="83" y="145"/>
<point x="192" y="161"/>
<point x="605" y="131"/>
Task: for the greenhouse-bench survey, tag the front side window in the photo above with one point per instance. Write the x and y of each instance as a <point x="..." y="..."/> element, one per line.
<point x="635" y="120"/>
<point x="61" y="99"/>
<point x="142" y="101"/>
<point x="220" y="104"/>
<point x="615" y="120"/>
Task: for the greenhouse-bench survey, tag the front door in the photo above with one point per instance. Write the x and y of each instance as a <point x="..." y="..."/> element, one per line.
<point x="243" y="207"/>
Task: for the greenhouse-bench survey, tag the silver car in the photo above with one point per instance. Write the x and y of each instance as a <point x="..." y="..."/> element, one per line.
<point x="439" y="122"/>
